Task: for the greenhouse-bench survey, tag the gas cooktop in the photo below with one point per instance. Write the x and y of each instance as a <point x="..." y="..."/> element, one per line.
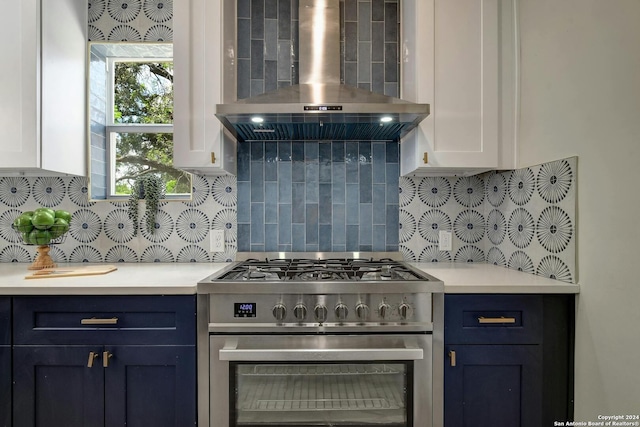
<point x="325" y="272"/>
<point x="301" y="269"/>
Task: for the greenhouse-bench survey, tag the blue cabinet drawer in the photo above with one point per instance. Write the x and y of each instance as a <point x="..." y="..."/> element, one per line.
<point x="493" y="319"/>
<point x="127" y="320"/>
<point x="5" y="321"/>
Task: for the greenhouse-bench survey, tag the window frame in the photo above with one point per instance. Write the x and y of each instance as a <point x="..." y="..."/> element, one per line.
<point x="112" y="128"/>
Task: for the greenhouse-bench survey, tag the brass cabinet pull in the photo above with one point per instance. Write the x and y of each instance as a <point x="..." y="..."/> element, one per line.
<point x="106" y="355"/>
<point x="92" y="356"/>
<point x="500" y="319"/>
<point x="452" y="356"/>
<point x="94" y="321"/>
<point x="213" y="157"/>
<point x="425" y="158"/>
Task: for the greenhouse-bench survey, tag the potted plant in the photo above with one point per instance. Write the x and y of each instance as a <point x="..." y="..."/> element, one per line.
<point x="149" y="188"/>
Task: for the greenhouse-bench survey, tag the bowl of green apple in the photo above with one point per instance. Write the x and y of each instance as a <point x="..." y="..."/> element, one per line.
<point x="42" y="227"/>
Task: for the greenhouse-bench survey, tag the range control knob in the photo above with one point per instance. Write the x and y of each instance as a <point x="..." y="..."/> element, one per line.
<point x="404" y="310"/>
<point x="362" y="311"/>
<point x="320" y="312"/>
<point x="384" y="309"/>
<point x="300" y="311"/>
<point x="279" y="311"/>
<point x="341" y="311"/>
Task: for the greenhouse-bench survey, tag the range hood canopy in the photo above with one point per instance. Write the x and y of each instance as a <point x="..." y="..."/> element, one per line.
<point x="320" y="107"/>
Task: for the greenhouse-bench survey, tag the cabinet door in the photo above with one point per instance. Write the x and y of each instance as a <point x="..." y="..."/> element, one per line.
<point x="493" y="385"/>
<point x="456" y="57"/>
<point x="5" y="362"/>
<point x="18" y="89"/>
<point x="150" y="386"/>
<point x="53" y="386"/>
<point x="5" y="321"/>
<point x="493" y="319"/>
<point x="43" y="97"/>
<point x="5" y="386"/>
<point x="121" y="320"/>
<point x="203" y="46"/>
<point x="63" y="88"/>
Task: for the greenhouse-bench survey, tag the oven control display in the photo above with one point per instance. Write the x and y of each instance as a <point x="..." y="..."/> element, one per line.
<point x="244" y="309"/>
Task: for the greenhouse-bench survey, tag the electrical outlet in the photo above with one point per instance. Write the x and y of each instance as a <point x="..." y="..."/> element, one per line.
<point x="444" y="240"/>
<point x="216" y="240"/>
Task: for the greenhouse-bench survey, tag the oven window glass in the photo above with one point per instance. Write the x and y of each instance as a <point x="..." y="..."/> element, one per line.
<point x="327" y="394"/>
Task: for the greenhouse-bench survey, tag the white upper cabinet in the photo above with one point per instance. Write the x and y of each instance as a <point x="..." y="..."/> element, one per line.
<point x="459" y="57"/>
<point x="203" y="49"/>
<point x="42" y="90"/>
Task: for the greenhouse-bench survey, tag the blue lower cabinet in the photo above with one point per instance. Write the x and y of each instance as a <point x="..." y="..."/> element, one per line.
<point x="5" y="321"/>
<point x="5" y="386"/>
<point x="508" y="360"/>
<point x="136" y="386"/>
<point x="5" y="362"/>
<point x="53" y="386"/>
<point x="104" y="361"/>
<point x="493" y="385"/>
<point x="150" y="386"/>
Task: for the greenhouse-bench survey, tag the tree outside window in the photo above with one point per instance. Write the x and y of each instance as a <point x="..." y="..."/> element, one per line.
<point x="141" y="132"/>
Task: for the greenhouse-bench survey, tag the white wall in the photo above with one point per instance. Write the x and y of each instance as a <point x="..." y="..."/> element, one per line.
<point x="580" y="95"/>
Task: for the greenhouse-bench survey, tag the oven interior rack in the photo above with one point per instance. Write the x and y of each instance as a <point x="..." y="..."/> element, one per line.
<point x="339" y="387"/>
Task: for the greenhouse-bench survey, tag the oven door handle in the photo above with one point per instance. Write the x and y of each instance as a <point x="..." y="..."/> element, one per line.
<point x="231" y="353"/>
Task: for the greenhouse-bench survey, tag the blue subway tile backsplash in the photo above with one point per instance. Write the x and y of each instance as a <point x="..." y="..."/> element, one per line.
<point x="267" y="45"/>
<point x="310" y="192"/>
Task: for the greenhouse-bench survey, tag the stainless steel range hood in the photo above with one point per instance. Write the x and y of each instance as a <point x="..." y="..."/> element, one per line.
<point x="320" y="107"/>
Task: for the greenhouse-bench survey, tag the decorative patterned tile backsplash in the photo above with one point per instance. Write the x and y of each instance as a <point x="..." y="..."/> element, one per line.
<point x="103" y="232"/>
<point x="523" y="219"/>
<point x="131" y="20"/>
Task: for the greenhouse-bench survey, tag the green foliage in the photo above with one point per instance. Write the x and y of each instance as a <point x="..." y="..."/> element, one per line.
<point x="151" y="189"/>
<point x="171" y="186"/>
<point x="123" y="188"/>
<point x="144" y="95"/>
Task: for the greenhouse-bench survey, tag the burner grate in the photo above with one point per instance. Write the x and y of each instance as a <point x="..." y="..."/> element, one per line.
<point x="320" y="274"/>
<point x="330" y="269"/>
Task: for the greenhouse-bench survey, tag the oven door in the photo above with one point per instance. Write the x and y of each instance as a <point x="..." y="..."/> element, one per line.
<point x="321" y="380"/>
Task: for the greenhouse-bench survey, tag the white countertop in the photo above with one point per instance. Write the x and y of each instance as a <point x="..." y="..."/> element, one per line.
<point x="128" y="279"/>
<point x="476" y="278"/>
<point x="182" y="279"/>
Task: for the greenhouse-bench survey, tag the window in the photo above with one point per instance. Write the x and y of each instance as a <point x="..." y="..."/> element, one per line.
<point x="131" y="101"/>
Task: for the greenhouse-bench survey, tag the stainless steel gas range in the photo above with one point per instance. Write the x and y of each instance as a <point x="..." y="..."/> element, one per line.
<point x="313" y="339"/>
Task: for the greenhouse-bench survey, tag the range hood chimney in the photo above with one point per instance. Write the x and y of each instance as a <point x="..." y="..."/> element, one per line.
<point x="320" y="107"/>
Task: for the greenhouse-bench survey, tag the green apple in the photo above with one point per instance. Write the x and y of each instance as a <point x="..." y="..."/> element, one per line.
<point x="40" y="237"/>
<point x="23" y="223"/>
<point x="59" y="227"/>
<point x="64" y="215"/>
<point x="26" y="238"/>
<point x="48" y="210"/>
<point x="42" y="220"/>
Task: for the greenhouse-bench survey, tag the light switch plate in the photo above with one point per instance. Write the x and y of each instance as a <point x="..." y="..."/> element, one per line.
<point x="216" y="238"/>
<point x="444" y="240"/>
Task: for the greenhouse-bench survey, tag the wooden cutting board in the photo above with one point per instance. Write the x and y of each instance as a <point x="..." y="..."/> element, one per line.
<point x="71" y="271"/>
